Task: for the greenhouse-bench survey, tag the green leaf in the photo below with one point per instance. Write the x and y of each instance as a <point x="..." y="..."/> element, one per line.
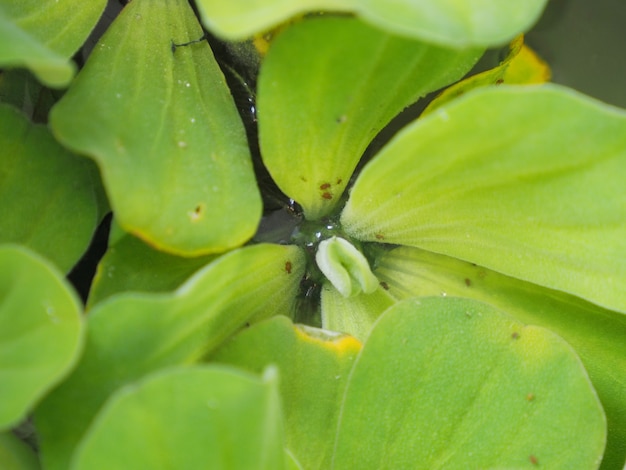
<point x="458" y="23"/>
<point x="20" y="88"/>
<point x="527" y="181"/>
<point x="41" y="331"/>
<point x="455" y="383"/>
<point x="355" y="315"/>
<point x="163" y="127"/>
<point x="131" y="335"/>
<point x="596" y="334"/>
<point x="16" y="455"/>
<point x="198" y="417"/>
<point x="326" y="88"/>
<point x="131" y="265"/>
<point x="314" y="366"/>
<point x="44" y="34"/>
<point x="49" y="197"/>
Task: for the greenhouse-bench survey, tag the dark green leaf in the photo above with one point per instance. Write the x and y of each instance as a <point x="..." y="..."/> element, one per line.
<point x="44" y="34"/>
<point x="41" y="331"/>
<point x="184" y="418"/>
<point x="131" y="265"/>
<point x="49" y="197"/>
<point x="131" y="335"/>
<point x="162" y="125"/>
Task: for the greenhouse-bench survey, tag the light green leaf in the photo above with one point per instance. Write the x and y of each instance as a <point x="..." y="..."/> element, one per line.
<point x="454" y="383"/>
<point x="184" y="418"/>
<point x="48" y="196"/>
<point x="356" y="315"/>
<point x="345" y="267"/>
<point x="314" y="366"/>
<point x="458" y="23"/>
<point x="596" y="334"/>
<point x="16" y="455"/>
<point x="44" y="34"/>
<point x="41" y="331"/>
<point x="162" y="125"/>
<point x="131" y="335"/>
<point x="326" y="88"/>
<point x="131" y="265"/>
<point x="527" y="181"/>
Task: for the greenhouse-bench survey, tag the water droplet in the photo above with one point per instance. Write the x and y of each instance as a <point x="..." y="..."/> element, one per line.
<point x="118" y="95"/>
<point x="192" y="120"/>
<point x="51" y="312"/>
<point x="182" y="144"/>
<point x="444" y="294"/>
<point x="187" y="84"/>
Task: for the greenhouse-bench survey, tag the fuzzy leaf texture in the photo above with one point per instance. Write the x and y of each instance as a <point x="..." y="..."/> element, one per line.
<point x="42" y="35"/>
<point x="326" y="88"/>
<point x="41" y="331"/>
<point x="161" y="123"/>
<point x="456" y="23"/>
<point x="133" y="334"/>
<point x="527" y="181"/>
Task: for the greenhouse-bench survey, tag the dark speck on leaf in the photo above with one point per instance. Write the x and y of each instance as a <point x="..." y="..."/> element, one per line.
<point x="468" y="282"/>
<point x="327" y="195"/>
<point x="325" y="186"/>
<point x="288" y="267"/>
<point x="384" y="285"/>
<point x="515" y="335"/>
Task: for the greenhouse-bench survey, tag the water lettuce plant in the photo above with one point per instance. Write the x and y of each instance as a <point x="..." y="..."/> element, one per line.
<point x="283" y="287"/>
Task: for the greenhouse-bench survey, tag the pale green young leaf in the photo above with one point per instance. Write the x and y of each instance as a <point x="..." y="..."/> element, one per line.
<point x="15" y="454"/>
<point x="163" y="127"/>
<point x="133" y="334"/>
<point x="49" y="197"/>
<point x="457" y="23"/>
<point x="454" y="383"/>
<point x="41" y="331"/>
<point x="326" y="88"/>
<point x="527" y="181"/>
<point x="596" y="334"/>
<point x="355" y="315"/>
<point x="196" y="417"/>
<point x="132" y="265"/>
<point x="42" y="35"/>
<point x="314" y="366"/>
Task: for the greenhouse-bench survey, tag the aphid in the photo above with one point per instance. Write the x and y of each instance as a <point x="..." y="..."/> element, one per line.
<point x="384" y="285"/>
<point x="327" y="195"/>
<point x="379" y="236"/>
<point x="339" y="180"/>
<point x="515" y="335"/>
<point x="325" y="186"/>
<point x="530" y="397"/>
<point x="468" y="282"/>
<point x="533" y="460"/>
<point x="288" y="267"/>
